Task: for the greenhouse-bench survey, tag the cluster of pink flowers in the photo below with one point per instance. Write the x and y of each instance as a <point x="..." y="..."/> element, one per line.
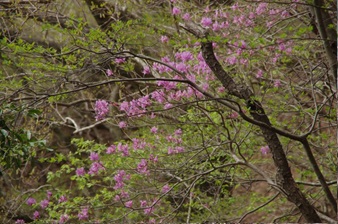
<point x="101" y="109"/>
<point x="83" y="214"/>
<point x="142" y="167"/>
<point x="265" y="150"/>
<point x="138" y="143"/>
<point x="119" y="178"/>
<point x="111" y="149"/>
<point x="95" y="168"/>
<point x="136" y="106"/>
<point x="123" y="148"/>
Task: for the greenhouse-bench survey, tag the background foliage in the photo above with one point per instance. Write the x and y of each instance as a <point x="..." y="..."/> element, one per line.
<point x="112" y="112"/>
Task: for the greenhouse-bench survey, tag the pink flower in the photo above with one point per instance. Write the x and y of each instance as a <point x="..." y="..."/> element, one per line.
<point x="119" y="177"/>
<point x="49" y="194"/>
<point x="261" y="8"/>
<point x="232" y="60"/>
<point x="95" y="168"/>
<point x="164" y="39"/>
<point x="221" y="89"/>
<point x="167" y="85"/>
<point x="265" y="150"/>
<point x="186" y="17"/>
<point x="171" y="151"/>
<point x="101" y="109"/>
<point x="148" y="211"/>
<point x="111" y="149"/>
<point x="216" y="26"/>
<point x="138" y="144"/>
<point x="178" y="132"/>
<point x="168" y="106"/>
<point x="165" y="188"/>
<point x="94" y="156"/>
<point x="285" y="14"/>
<point x="277" y="83"/>
<point x="153" y="159"/>
<point x="20" y="221"/>
<point x="154" y="130"/>
<point x="31" y="201"/>
<point x="64" y="218"/>
<point x="158" y="96"/>
<point x="234" y="115"/>
<point x="109" y="72"/>
<point x="44" y="203"/>
<point x="80" y="171"/>
<point x="206" y="21"/>
<point x="143" y="203"/>
<point x="142" y="167"/>
<point x="123" y="148"/>
<point x="120" y="60"/>
<point x="259" y="74"/>
<point x="36" y="215"/>
<point x="186" y="56"/>
<point x="146" y="70"/>
<point x="176" y="11"/>
<point x="83" y="215"/>
<point x="129" y="204"/>
<point x="122" y="124"/>
<point x="124" y="194"/>
<point x="62" y="199"/>
<point x="117" y="198"/>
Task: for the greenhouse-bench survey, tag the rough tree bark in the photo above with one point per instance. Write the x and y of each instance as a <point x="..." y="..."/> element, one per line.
<point x="284" y="177"/>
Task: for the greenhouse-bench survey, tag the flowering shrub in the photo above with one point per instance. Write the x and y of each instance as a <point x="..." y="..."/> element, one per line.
<point x="198" y="127"/>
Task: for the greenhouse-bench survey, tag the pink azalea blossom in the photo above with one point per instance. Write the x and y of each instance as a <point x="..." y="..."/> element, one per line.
<point x="206" y="21"/>
<point x="31" y="201"/>
<point x="80" y="171"/>
<point x="119" y="178"/>
<point x="165" y="188"/>
<point x="143" y="203"/>
<point x="111" y="149"/>
<point x="44" y="203"/>
<point x="178" y="132"/>
<point x="123" y="148"/>
<point x="95" y="168"/>
<point x="154" y="130"/>
<point x="94" y="156"/>
<point x="49" y="194"/>
<point x="64" y="218"/>
<point x="36" y="215"/>
<point x="176" y="11"/>
<point x="234" y="115"/>
<point x="265" y="150"/>
<point x="83" y="214"/>
<point x="152" y="158"/>
<point x="142" y="167"/>
<point x="20" y="221"/>
<point x="221" y="89"/>
<point x="122" y="124"/>
<point x="129" y="204"/>
<point x="277" y="83"/>
<point x="186" y="17"/>
<point x="109" y="72"/>
<point x="138" y="143"/>
<point x="120" y="60"/>
<point x="63" y="198"/>
<point x="261" y="8"/>
<point x="259" y="74"/>
<point x="146" y="70"/>
<point x="285" y="14"/>
<point x="101" y="109"/>
<point x="167" y="106"/>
